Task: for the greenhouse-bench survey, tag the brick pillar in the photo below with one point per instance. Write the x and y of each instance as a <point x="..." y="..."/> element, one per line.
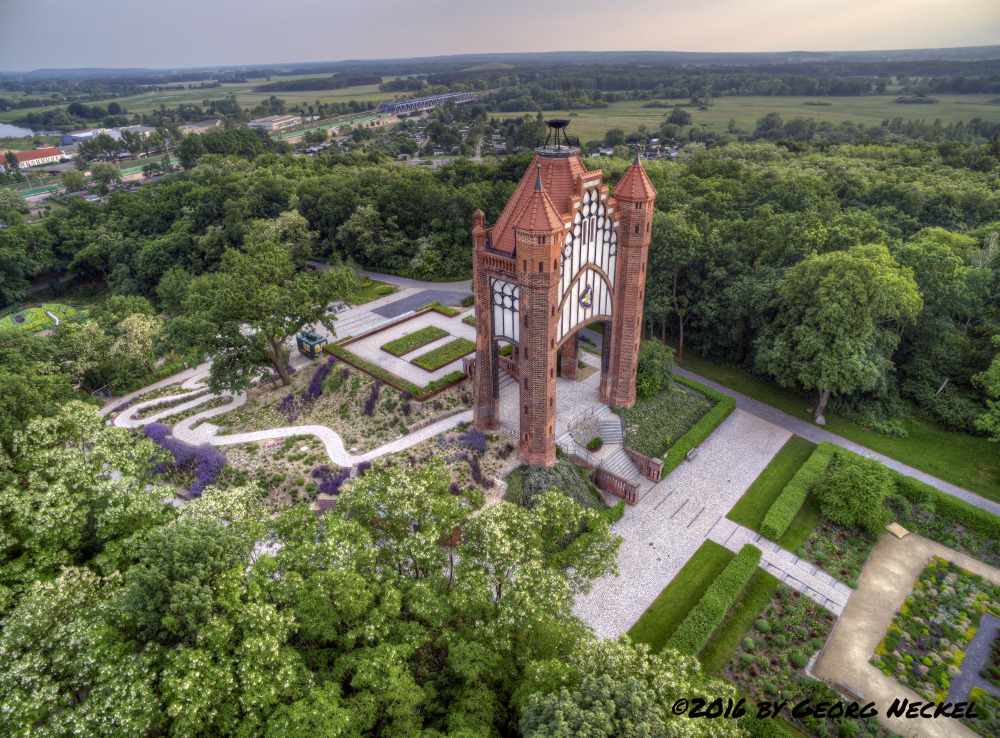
<point x="486" y="389"/>
<point x="630" y="283"/>
<point x="606" y="363"/>
<point x="539" y="294"/>
<point x="570" y="356"/>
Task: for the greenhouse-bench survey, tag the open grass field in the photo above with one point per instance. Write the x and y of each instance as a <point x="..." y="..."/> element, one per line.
<point x="872" y="110"/>
<point x="670" y="608"/>
<point x="150" y="101"/>
<point x="971" y="462"/>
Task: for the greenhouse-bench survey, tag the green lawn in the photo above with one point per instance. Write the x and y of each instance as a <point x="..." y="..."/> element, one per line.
<point x="971" y="462"/>
<point x="446" y="354"/>
<point x="370" y="292"/>
<point x="756" y="501"/>
<point x="670" y="608"/>
<point x="405" y="344"/>
<point x="721" y="647"/>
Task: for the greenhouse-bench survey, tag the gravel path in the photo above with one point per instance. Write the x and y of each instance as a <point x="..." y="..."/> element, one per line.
<point x="673" y="518"/>
<point x="208" y="433"/>
<point x="885" y="582"/>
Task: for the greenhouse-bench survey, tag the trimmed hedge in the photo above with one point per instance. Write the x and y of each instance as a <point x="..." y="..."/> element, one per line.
<point x="705" y="617"/>
<point x="413" y="341"/>
<point x="787" y="505"/>
<point x="374" y="370"/>
<point x="755" y="727"/>
<point x="566" y="557"/>
<point x="724" y="406"/>
<point x="948" y="506"/>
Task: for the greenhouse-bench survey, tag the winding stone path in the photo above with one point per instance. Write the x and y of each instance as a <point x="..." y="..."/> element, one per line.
<point x="208" y="433"/>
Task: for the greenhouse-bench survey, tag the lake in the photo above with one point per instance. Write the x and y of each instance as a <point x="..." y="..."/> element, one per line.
<point x="8" y="130"/>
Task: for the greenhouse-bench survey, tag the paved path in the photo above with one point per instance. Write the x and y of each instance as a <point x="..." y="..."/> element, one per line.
<point x="885" y="582"/>
<point x="816" y="434"/>
<point x="789" y="569"/>
<point x="208" y="433"/>
<point x="673" y="517"/>
<point x="975" y="657"/>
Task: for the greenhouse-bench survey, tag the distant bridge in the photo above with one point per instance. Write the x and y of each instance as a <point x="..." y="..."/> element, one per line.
<point x="406" y="104"/>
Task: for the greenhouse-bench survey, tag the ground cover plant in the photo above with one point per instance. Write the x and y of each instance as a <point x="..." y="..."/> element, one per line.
<point x="926" y="642"/>
<point x="433" y="360"/>
<point x="654" y="424"/>
<point x="925" y="517"/>
<point x="838" y="550"/>
<point x="440" y="308"/>
<point x="282" y="468"/>
<point x="340" y="404"/>
<point x="414" y="340"/>
<point x="769" y="661"/>
<point x="526" y="484"/>
<point x="987" y="720"/>
<point x="991" y="669"/>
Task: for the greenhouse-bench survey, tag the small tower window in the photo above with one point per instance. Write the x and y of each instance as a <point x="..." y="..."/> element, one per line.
<point x="539" y="267"/>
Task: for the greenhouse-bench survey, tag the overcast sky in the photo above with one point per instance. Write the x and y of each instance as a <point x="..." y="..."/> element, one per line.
<point x="192" y="33"/>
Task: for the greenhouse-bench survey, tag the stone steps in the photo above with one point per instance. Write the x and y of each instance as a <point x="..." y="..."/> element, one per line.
<point x="619" y="464"/>
<point x="505" y="380"/>
<point x="611" y="429"/>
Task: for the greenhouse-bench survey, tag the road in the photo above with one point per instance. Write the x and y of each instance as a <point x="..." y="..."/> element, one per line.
<point x="464" y="285"/>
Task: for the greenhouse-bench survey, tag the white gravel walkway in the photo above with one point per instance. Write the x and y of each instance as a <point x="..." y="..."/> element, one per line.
<point x="208" y="433"/>
<point x="673" y="518"/>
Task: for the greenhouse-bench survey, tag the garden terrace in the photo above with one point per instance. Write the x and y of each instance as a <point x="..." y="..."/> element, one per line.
<point x="363" y="412"/>
<point x="654" y="424"/>
<point x="439" y="357"/>
<point x="925" y="645"/>
<point x="415" y="340"/>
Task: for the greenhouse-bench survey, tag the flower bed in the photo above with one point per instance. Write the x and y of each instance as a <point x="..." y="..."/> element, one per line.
<point x="931" y="521"/>
<point x="769" y="663"/>
<point x="655" y="423"/>
<point x="439" y="357"/>
<point x="415" y="340"/>
<point x="987" y="720"/>
<point x="374" y="370"/>
<point x="206" y="462"/>
<point x="838" y="550"/>
<point x="991" y="669"/>
<point x="926" y="642"/>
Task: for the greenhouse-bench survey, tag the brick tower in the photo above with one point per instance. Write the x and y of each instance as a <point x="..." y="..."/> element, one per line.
<point x="562" y="255"/>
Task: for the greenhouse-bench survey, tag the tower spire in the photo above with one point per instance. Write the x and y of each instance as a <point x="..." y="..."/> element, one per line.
<point x="538" y="177"/>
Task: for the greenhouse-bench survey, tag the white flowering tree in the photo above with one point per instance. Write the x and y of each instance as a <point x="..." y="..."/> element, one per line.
<point x="77" y="496"/>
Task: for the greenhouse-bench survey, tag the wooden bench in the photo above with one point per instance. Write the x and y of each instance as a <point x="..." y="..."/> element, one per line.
<point x="691" y="454"/>
<point x="850" y="691"/>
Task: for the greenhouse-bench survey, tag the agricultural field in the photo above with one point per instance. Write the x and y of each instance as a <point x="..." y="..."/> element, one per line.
<point x="150" y="101"/>
<point x="592" y="124"/>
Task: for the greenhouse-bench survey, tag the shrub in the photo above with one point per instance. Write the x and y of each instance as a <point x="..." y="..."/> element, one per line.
<point x="206" y="460"/>
<point x="724" y="406"/>
<point x="709" y="612"/>
<point x="474" y="439"/>
<point x="787" y="505"/>
<point x="853" y="490"/>
<point x="656" y="363"/>
<point x="385" y="289"/>
<point x="948" y="506"/>
<point x="594" y="443"/>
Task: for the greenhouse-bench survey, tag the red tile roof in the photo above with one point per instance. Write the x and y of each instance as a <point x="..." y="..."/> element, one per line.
<point x="635" y="185"/>
<point x="24" y="156"/>
<point x="559" y="179"/>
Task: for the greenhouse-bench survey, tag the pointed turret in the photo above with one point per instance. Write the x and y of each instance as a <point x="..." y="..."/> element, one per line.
<point x="635" y="185"/>
<point x="539" y="213"/>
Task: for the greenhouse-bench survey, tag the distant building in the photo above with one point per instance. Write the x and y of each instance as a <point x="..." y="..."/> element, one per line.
<point x="25" y="159"/>
<point x="76" y="137"/>
<point x="199" y="127"/>
<point x="276" y="122"/>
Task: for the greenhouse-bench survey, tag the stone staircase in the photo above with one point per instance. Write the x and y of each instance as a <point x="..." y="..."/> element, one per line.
<point x="619" y="464"/>
<point x="611" y="429"/>
<point x="505" y="380"/>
